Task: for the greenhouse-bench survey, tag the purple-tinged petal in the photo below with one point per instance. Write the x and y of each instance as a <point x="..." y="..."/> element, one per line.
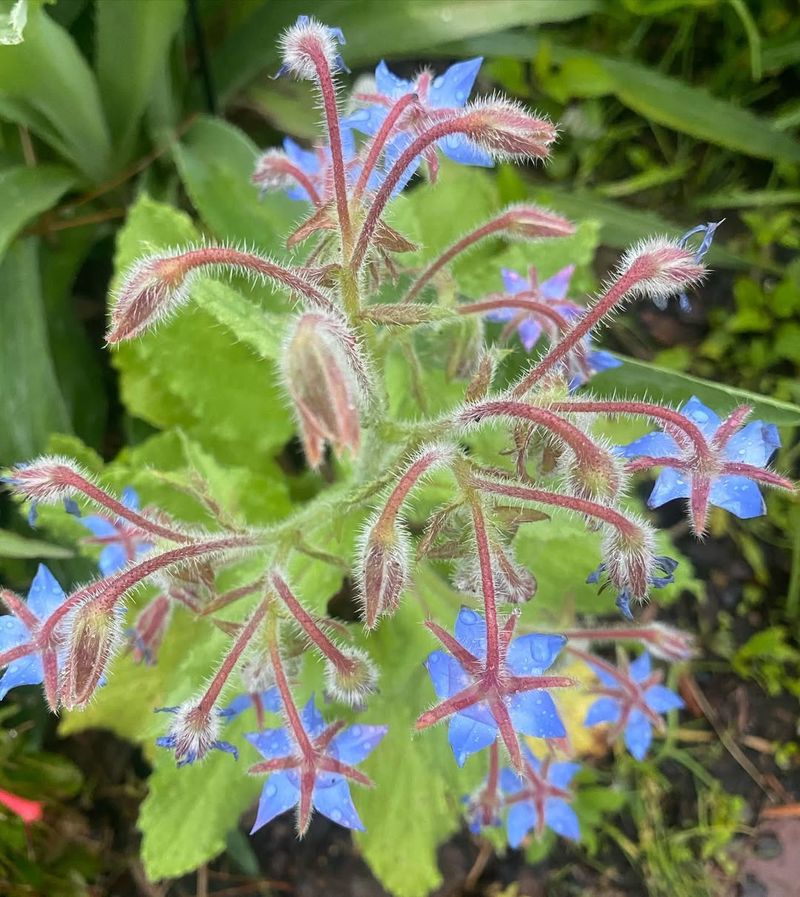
<point x="451" y="89"/>
<point x="702" y="416"/>
<point x="279" y="794"/>
<point x="389" y="84"/>
<point x="226" y="747"/>
<point x="357" y="742"/>
<point x="662" y="699"/>
<point x="531" y="655"/>
<point x="641" y="668"/>
<point x="470" y="631"/>
<point x="305" y="160"/>
<point x="638" y="734"/>
<point x="513" y="282"/>
<point x="529" y="332"/>
<point x="653" y="445"/>
<point x="754" y="444"/>
<point x="333" y="799"/>
<point x="555" y="288"/>
<point x="561" y="774"/>
<point x="468" y="735"/>
<point x="534" y="713"/>
<point x="561" y="818"/>
<point x="45" y="593"/>
<point x="604" y="710"/>
<point x="739" y="495"/>
<point x="521" y="819"/>
<point x="447" y="675"/>
<point x="671" y="484"/>
<point x="501" y="315"/>
<point x="604" y="676"/>
<point x="271" y="743"/>
<point x="600" y="360"/>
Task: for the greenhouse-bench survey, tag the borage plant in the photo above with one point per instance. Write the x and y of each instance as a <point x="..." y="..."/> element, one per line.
<point x="508" y="453"/>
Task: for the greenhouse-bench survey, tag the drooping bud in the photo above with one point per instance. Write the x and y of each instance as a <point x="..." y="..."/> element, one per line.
<point x="507" y="131"/>
<point x="193" y="732"/>
<point x="193" y="586"/>
<point x="353" y="682"/>
<point x="93" y="636"/>
<point x="660" y="268"/>
<point x="529" y="222"/>
<point x="668" y="643"/>
<point x="307" y="45"/>
<point x="274" y="171"/>
<point x="321" y="381"/>
<point x="481" y="381"/>
<point x="47" y="480"/>
<point x="629" y="558"/>
<point x="513" y="583"/>
<point x="382" y="571"/>
<point x="149" y="629"/>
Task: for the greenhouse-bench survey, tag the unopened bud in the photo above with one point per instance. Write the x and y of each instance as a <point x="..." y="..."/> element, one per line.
<point x="530" y="222"/>
<point x="149" y="629"/>
<point x="47" y="480"/>
<point x="513" y="583"/>
<point x="668" y="643"/>
<point x="506" y="131"/>
<point x="274" y="171"/>
<point x="354" y="682"/>
<point x="309" y="44"/>
<point x="631" y="564"/>
<point x="193" y="732"/>
<point x="599" y="476"/>
<point x="93" y="637"/>
<point x="481" y="381"/>
<point x="661" y="269"/>
<point x="193" y="586"/>
<point x="382" y="572"/>
<point x="321" y="382"/>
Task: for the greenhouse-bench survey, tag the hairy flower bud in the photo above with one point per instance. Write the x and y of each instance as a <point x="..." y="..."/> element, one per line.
<point x="47" y="480"/>
<point x="630" y="559"/>
<point x="307" y="45"/>
<point x="320" y="379"/>
<point x="529" y="222"/>
<point x="513" y="583"/>
<point x="660" y="268"/>
<point x="351" y="683"/>
<point x="382" y="571"/>
<point x="507" y="131"/>
<point x="93" y="637"/>
<point x="668" y="643"/>
<point x="274" y="171"/>
<point x="192" y="733"/>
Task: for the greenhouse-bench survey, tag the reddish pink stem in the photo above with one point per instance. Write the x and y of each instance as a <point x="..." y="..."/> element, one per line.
<point x="12" y="654"/>
<point x="316" y="635"/>
<point x="487" y="588"/>
<point x="379" y="141"/>
<point x="758" y="473"/>
<point x="405" y="484"/>
<point x="297" y="174"/>
<point x="524" y="300"/>
<point x="295" y="723"/>
<point x="232" y="658"/>
<point x="18" y="607"/>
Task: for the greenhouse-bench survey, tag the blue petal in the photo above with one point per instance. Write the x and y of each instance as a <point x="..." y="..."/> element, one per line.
<point x="237" y="706"/>
<point x="671" y="484"/>
<point x="389" y="84"/>
<point x="45" y="593"/>
<point x="366" y="120"/>
<point x="306" y="160"/>
<point x="13" y="632"/>
<point x="754" y="444"/>
<point x="529" y="332"/>
<point x="604" y="676"/>
<point x="332" y="798"/>
<point x="703" y="417"/>
<point x="641" y="668"/>
<point x="739" y="495"/>
<point x="662" y="699"/>
<point x="521" y="819"/>
<point x="463" y="151"/>
<point x="638" y="734"/>
<point x="25" y="671"/>
<point x="604" y="710"/>
<point x="271" y="699"/>
<point x="112" y="558"/>
<point x="561" y="774"/>
<point x="357" y="742"/>
<point x="555" y="288"/>
<point x="512" y="281"/>
<point x="271" y="743"/>
<point x="447" y="675"/>
<point x="510" y="782"/>
<point x="501" y="315"/>
<point x="534" y="713"/>
<point x="226" y="747"/>
<point x="130" y="498"/>
<point x="395" y="148"/>
<point x="561" y="818"/>
<point x="603" y="361"/>
<point x="312" y="718"/>
<point x="468" y="735"/>
<point x="99" y="526"/>
<point x="653" y="445"/>
<point x="279" y="794"/>
<point x="451" y="89"/>
<point x="470" y="631"/>
<point x="531" y="655"/>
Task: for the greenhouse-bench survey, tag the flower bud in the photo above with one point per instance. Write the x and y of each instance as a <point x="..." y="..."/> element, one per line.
<point x="192" y="733"/>
<point x="661" y="268"/>
<point x="49" y="479"/>
<point x="529" y="222"/>
<point x="320" y="380"/>
<point x="629" y="559"/>
<point x="506" y="131"/>
<point x="193" y="585"/>
<point x="274" y="171"/>
<point x="93" y="638"/>
<point x="382" y="571"/>
<point x="513" y="583"/>
<point x="149" y="629"/>
<point x="668" y="643"/>
<point x="308" y="44"/>
<point x="351" y="684"/>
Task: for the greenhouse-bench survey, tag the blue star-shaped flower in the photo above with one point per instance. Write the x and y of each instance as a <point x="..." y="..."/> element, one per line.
<point x="122" y="542"/>
<point x="507" y="703"/>
<point x="44" y="596"/>
<point x="539" y="799"/>
<point x="260" y="701"/>
<point x="313" y="769"/>
<point x="632" y="702"/>
<point x="738" y="455"/>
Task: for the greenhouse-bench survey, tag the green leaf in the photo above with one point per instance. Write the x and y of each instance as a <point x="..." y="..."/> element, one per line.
<point x="47" y="85"/>
<point x="403" y="28"/>
<point x="192" y="373"/>
<point x="25" y="193"/>
<point x="637" y="378"/>
<point x="215" y="161"/>
<point x="31" y="404"/>
<point x="12" y="545"/>
<point x="132" y="40"/>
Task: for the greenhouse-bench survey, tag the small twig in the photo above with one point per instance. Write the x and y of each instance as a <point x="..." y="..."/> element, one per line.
<point x="202" y="881"/>
<point x="483" y="857"/>
<point x="28" y="150"/>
